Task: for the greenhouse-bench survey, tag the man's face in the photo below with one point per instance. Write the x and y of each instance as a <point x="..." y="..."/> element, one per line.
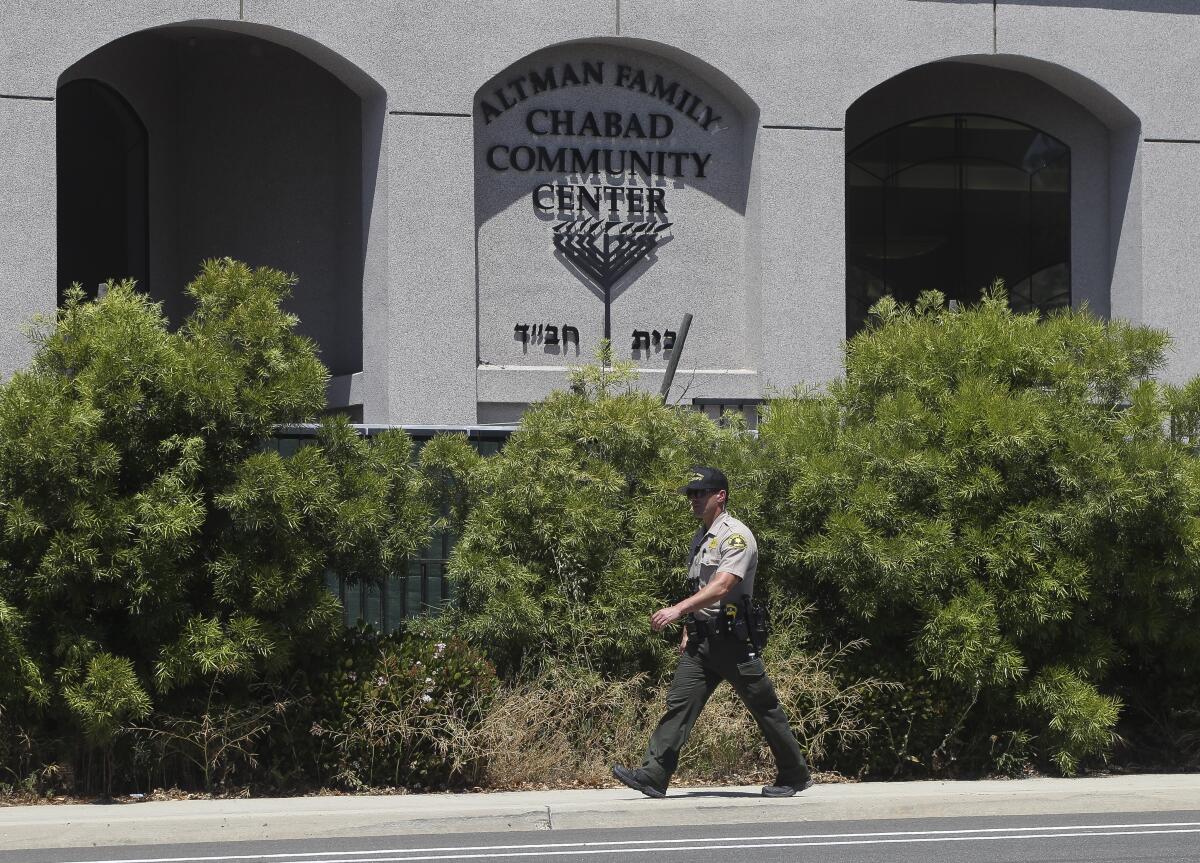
<point x="706" y="503"/>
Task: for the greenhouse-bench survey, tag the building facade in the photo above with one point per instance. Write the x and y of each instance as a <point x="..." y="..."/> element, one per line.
<point x="472" y="193"/>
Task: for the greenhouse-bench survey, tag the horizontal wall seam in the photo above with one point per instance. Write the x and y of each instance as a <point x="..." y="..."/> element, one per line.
<point x="806" y="128"/>
<point x="27" y="98"/>
<point x="427" y="114"/>
<point x="1172" y="140"/>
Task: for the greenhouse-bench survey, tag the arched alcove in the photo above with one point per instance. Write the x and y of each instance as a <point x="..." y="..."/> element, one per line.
<point x="1073" y="222"/>
<point x="613" y="184"/>
<point x="261" y="145"/>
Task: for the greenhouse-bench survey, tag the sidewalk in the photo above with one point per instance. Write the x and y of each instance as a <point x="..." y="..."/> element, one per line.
<point x="23" y="827"/>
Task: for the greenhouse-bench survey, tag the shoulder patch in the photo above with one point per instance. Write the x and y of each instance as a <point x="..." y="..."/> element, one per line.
<point x="735" y="541"/>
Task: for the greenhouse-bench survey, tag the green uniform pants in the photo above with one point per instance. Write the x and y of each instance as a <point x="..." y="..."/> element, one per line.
<point x="701" y="667"/>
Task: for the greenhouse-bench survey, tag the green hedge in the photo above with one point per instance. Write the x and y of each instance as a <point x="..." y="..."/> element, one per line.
<point x="1006" y="507"/>
<point x="160" y="573"/>
<point x="1003" y="507"/>
<point x="985" y="540"/>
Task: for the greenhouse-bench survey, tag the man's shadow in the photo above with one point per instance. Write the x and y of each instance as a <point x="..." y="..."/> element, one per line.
<point x="717" y="794"/>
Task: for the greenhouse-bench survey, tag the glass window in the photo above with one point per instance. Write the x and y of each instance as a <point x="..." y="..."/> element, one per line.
<point x="952" y="203"/>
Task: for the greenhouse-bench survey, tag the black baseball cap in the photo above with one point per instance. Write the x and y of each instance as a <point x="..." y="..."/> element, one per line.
<point x="705" y="479"/>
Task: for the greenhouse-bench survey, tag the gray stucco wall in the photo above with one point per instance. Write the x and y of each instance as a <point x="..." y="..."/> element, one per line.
<point x="432" y="274"/>
<point x="1119" y="78"/>
<point x="1170" y="299"/>
<point x="27" y="227"/>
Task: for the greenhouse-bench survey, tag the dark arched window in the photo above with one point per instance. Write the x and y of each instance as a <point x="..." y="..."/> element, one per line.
<point x="103" y="163"/>
<point x="953" y="202"/>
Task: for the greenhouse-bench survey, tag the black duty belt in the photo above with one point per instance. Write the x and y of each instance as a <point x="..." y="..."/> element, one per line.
<point x="743" y="621"/>
<point x="731" y="624"/>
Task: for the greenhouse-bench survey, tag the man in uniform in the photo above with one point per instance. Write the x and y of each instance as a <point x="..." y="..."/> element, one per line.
<point x="724" y="557"/>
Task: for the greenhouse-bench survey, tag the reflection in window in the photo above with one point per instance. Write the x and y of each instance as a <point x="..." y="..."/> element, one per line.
<point x="951" y="203"/>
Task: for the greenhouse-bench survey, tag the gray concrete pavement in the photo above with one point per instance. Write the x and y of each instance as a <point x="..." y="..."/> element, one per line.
<point x="1163" y="837"/>
<point x="27" y="827"/>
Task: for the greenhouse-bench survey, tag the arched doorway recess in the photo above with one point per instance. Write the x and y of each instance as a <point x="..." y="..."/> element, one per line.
<point x="259" y="145"/>
<point x="1059" y="220"/>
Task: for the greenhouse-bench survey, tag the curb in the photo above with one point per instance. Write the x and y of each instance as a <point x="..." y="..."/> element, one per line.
<point x="83" y="825"/>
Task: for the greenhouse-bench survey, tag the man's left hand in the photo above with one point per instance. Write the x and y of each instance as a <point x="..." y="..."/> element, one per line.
<point x="664" y="617"/>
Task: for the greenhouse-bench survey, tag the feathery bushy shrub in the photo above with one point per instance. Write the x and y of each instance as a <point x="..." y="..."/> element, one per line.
<point x="1005" y="507"/>
<point x="404" y="711"/>
<point x="153" y="557"/>
<point x="575" y="531"/>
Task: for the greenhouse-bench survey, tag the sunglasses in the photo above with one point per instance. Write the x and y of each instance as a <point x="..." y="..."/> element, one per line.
<point x="695" y="493"/>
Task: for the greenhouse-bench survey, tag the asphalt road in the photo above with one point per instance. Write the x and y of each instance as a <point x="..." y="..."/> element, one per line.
<point x="1141" y="836"/>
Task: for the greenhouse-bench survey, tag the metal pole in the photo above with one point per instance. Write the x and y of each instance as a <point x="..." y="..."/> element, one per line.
<point x="676" y="350"/>
<point x="607" y="312"/>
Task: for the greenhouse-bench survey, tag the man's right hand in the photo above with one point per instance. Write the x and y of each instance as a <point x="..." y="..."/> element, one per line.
<point x="683" y="641"/>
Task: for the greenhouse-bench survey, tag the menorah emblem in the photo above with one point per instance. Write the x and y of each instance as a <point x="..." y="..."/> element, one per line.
<point x="606" y="251"/>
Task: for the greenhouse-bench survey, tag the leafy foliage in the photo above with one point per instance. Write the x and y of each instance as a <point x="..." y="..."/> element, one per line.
<point x="575" y="532"/>
<point x="162" y="553"/>
<point x="108" y="694"/>
<point x="982" y="550"/>
<point x="20" y="678"/>
<point x="999" y="504"/>
<point x="408" y="714"/>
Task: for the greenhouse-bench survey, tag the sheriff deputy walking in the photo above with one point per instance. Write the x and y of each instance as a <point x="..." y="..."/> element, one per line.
<point x="722" y="639"/>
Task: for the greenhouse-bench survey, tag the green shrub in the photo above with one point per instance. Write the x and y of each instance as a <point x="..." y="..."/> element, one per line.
<point x="575" y="532"/>
<point x="407" y="716"/>
<point x="1006" y="508"/>
<point x="21" y="682"/>
<point x="107" y="696"/>
<point x="154" y="556"/>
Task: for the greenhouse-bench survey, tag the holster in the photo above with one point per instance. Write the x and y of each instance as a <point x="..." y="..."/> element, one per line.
<point x="758" y="623"/>
<point x="697" y="630"/>
<point x="745" y="621"/>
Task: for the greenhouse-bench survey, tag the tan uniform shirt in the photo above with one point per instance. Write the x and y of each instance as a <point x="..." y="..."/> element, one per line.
<point x="726" y="546"/>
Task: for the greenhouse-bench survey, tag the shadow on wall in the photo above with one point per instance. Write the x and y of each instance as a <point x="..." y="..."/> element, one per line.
<point x="730" y="106"/>
<point x="1172" y="7"/>
<point x="252" y="148"/>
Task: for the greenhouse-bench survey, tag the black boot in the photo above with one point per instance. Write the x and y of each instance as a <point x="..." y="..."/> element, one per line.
<point x="638" y="781"/>
<point x="782" y="789"/>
